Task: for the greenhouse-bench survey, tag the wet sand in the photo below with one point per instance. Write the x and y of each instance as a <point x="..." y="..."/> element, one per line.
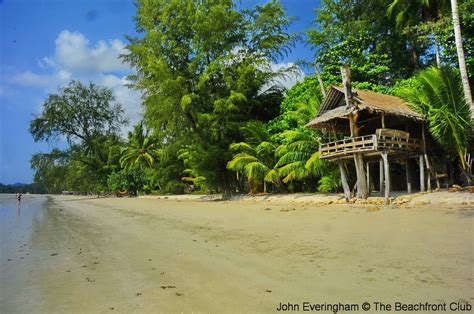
<point x="163" y="255"/>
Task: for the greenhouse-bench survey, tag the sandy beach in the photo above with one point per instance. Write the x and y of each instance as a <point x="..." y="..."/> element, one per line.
<point x="178" y="254"/>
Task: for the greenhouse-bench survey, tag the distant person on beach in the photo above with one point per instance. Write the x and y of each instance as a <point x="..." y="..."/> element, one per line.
<point x="18" y="197"/>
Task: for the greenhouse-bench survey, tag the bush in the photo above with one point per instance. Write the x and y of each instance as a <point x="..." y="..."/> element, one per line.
<point x="127" y="181"/>
<point x="330" y="183"/>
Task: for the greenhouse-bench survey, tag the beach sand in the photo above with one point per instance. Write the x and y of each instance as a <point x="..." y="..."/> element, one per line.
<point x="152" y="254"/>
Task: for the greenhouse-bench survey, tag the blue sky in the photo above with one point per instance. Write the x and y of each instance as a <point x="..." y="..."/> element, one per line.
<point x="46" y="43"/>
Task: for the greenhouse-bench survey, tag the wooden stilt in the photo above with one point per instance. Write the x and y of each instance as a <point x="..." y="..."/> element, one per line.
<point x="408" y="175"/>
<point x="345" y="185"/>
<point x="361" y="177"/>
<point x="428" y="181"/>
<point x="368" y="177"/>
<point x="387" y="176"/>
<point x="358" y="159"/>
<point x="428" y="166"/>
<point x="381" y="178"/>
<point x="422" y="173"/>
<point x="321" y="84"/>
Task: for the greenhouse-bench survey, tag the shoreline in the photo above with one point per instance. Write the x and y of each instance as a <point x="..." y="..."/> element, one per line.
<point x="187" y="254"/>
<point x="401" y="199"/>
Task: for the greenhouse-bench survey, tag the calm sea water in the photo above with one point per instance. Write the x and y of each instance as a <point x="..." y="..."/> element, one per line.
<point x="18" y="254"/>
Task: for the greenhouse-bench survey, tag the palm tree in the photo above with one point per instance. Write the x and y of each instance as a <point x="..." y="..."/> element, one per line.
<point x="407" y="11"/>
<point x="440" y="99"/>
<point x="298" y="157"/>
<point x="413" y="13"/>
<point x="141" y="149"/>
<point x="461" y="59"/>
<point x="256" y="163"/>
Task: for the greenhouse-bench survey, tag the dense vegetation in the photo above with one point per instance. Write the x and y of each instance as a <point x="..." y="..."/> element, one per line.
<point x="216" y="118"/>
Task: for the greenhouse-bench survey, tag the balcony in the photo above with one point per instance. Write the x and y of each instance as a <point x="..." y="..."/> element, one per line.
<point x="396" y="143"/>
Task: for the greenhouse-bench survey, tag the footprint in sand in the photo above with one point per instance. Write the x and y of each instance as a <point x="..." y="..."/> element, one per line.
<point x="54" y="254"/>
<point x="269" y="291"/>
<point x="167" y="287"/>
<point x="179" y="294"/>
<point x="138" y="294"/>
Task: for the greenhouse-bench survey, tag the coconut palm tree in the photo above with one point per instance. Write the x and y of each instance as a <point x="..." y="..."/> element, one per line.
<point x="412" y="13"/>
<point x="461" y="59"/>
<point x="142" y="149"/>
<point x="298" y="157"/>
<point x="439" y="98"/>
<point x="256" y="163"/>
<point x="407" y="13"/>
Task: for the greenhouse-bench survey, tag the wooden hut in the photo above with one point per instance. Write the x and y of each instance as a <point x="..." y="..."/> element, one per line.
<point x="376" y="128"/>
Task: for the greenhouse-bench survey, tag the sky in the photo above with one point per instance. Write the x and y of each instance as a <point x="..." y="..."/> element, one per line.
<point x="46" y="43"/>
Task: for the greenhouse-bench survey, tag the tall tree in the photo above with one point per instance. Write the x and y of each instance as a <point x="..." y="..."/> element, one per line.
<point x="80" y="113"/>
<point x="360" y="33"/>
<point x="461" y="59"/>
<point x="205" y="69"/>
<point x="89" y="119"/>
<point x="141" y="149"/>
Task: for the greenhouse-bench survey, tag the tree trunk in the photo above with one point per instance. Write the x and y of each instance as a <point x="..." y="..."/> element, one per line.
<point x="461" y="59"/>
<point x="345" y="185"/>
<point x="361" y="177"/>
<point x="320" y="80"/>
<point x="226" y="186"/>
<point x="358" y="160"/>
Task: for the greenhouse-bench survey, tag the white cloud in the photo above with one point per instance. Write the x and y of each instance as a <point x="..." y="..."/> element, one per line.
<point x="29" y="78"/>
<point x="76" y="58"/>
<point x="130" y="99"/>
<point x="288" y="80"/>
<point x="73" y="52"/>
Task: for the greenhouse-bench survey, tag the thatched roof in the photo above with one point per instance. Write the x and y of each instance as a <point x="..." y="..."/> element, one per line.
<point x="334" y="106"/>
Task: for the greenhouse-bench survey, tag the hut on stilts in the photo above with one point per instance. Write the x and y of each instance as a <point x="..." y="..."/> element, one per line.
<point x="379" y="129"/>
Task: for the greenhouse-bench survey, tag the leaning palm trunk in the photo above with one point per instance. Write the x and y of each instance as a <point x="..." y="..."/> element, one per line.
<point x="461" y="59"/>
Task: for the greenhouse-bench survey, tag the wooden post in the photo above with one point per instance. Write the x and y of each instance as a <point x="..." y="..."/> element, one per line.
<point x="408" y="175"/>
<point x="351" y="124"/>
<point x="383" y="120"/>
<point x="381" y="177"/>
<point x="361" y="177"/>
<point x="387" y="176"/>
<point x="320" y="80"/>
<point x="358" y="160"/>
<point x="345" y="185"/>
<point x="428" y="165"/>
<point x="346" y="82"/>
<point x="428" y="180"/>
<point x="368" y="177"/>
<point x="422" y="174"/>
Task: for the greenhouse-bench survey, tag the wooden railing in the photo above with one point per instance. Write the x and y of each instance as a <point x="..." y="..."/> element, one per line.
<point x="368" y="143"/>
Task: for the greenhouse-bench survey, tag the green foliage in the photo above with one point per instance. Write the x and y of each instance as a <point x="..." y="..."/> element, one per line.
<point x="329" y="183"/>
<point x="87" y="117"/>
<point x="439" y="97"/>
<point x="299" y="105"/>
<point x="202" y="66"/>
<point x="378" y="46"/>
<point x="79" y="113"/>
<point x="130" y="179"/>
<point x="142" y="149"/>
